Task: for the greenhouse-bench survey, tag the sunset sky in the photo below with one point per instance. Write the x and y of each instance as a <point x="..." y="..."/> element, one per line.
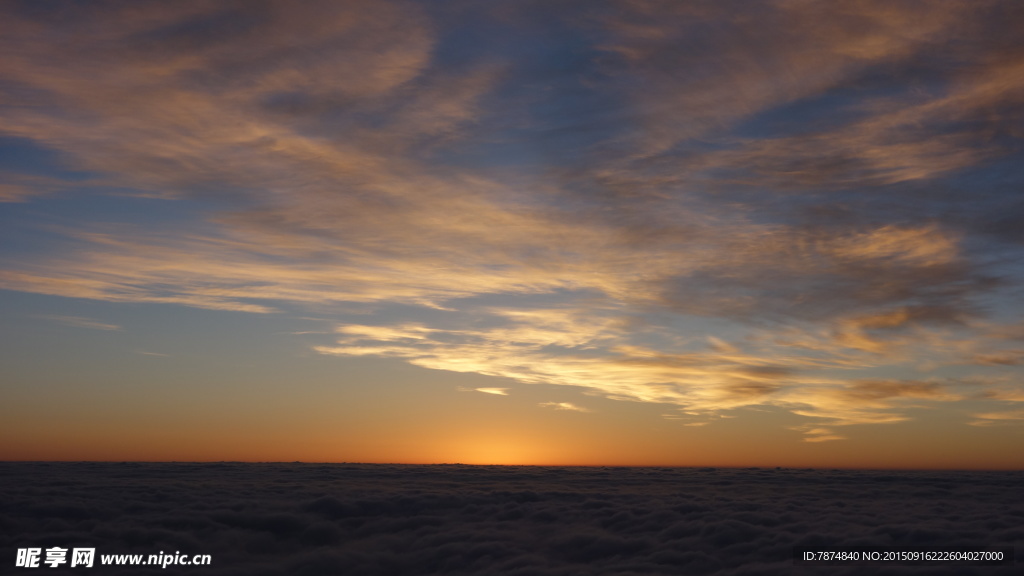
<point x="776" y="233"/>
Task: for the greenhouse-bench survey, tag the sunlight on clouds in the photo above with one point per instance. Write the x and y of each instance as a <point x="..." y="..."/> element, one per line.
<point x="494" y="391"/>
<point x="1002" y="358"/>
<point x="907" y="246"/>
<point x="822" y="435"/>
<point x="1009" y="395"/>
<point x="744" y="70"/>
<point x="170" y="114"/>
<point x="563" y="406"/>
<point x="701" y="171"/>
<point x="704" y="382"/>
<point x="410" y="331"/>
<point x="1005" y="418"/>
<point x="1008" y="415"/>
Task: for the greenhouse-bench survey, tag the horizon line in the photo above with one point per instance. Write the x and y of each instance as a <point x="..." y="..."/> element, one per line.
<point x="676" y="466"/>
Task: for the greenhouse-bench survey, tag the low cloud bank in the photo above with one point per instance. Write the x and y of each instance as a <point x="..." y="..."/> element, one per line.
<point x="313" y="519"/>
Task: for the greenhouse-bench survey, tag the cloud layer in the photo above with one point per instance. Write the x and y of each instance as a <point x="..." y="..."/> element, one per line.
<point x="311" y="519"/>
<point x="707" y="205"/>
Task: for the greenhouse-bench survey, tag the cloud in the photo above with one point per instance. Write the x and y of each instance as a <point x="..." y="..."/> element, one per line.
<point x="581" y="348"/>
<point x="1009" y="395"/>
<point x="1008" y="415"/>
<point x="495" y="391"/>
<point x="742" y="69"/>
<point x="812" y="434"/>
<point x="369" y="519"/>
<point x="81" y="322"/>
<point x="1001" y="418"/>
<point x="697" y="84"/>
<point x="710" y="206"/>
<point x="1002" y="358"/>
<point x="22" y="187"/>
<point x="563" y="406"/>
<point x="178" y="102"/>
<point x="457" y="232"/>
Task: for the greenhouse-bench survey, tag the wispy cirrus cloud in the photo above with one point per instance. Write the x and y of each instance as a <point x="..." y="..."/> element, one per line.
<point x="563" y="406"/>
<point x="576" y="347"/>
<point x="82" y="322"/>
<point x="1003" y="418"/>
<point x="716" y="206"/>
<point x="494" y="391"/>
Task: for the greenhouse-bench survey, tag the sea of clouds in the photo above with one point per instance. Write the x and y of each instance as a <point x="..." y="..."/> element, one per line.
<point x="375" y="519"/>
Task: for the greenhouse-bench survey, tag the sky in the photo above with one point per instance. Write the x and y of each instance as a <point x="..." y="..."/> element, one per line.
<point x="774" y="233"/>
